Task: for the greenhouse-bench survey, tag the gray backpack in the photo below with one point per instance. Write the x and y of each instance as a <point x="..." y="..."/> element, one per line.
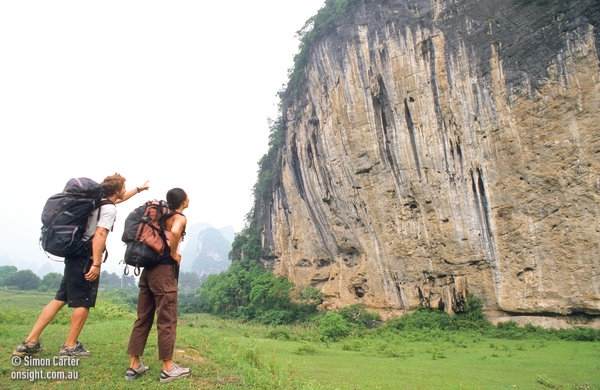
<point x="65" y="216"/>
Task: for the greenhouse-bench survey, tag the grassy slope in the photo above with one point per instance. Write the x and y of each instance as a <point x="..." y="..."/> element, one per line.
<point x="228" y="355"/>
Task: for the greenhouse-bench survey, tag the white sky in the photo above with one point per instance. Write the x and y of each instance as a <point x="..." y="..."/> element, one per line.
<point x="175" y="92"/>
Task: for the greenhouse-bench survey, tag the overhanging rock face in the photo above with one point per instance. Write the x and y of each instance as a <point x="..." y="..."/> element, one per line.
<point x="446" y="147"/>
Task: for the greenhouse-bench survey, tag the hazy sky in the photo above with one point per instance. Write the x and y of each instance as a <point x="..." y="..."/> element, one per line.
<point x="175" y="92"/>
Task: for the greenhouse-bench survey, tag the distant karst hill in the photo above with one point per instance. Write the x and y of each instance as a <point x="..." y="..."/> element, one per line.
<point x="207" y="249"/>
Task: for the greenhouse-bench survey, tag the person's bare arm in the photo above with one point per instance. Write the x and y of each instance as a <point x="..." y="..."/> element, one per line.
<point x="132" y="192"/>
<point x="98" y="244"/>
<point x="176" y="229"/>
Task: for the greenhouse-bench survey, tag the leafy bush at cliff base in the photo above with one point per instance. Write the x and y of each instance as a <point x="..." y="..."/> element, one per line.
<point x="359" y="316"/>
<point x="248" y="291"/>
<point x="350" y="320"/>
<point x="513" y="331"/>
<point x="333" y="326"/>
<point x="422" y="318"/>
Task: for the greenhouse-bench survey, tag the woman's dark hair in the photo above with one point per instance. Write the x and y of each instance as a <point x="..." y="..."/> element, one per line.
<point x="175" y="197"/>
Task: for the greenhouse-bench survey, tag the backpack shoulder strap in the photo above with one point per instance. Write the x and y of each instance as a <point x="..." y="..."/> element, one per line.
<point x="102" y="203"/>
<point x="106" y="201"/>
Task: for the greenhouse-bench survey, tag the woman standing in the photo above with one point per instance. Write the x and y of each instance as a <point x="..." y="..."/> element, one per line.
<point x="158" y="294"/>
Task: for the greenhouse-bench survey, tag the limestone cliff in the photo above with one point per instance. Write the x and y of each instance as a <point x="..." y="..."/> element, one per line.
<point x="436" y="147"/>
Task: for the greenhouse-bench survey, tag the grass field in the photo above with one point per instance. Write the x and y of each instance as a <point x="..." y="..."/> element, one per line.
<point x="229" y="355"/>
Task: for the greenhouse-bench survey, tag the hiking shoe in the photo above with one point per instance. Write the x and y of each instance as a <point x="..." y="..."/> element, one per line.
<point x="77" y="351"/>
<point x="26" y="349"/>
<point x="134" y="373"/>
<point x="175" y="372"/>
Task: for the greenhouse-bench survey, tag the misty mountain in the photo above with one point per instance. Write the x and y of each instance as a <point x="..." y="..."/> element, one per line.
<point x="206" y="249"/>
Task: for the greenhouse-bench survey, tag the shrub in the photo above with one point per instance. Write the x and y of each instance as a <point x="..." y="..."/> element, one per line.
<point x="333" y="326"/>
<point x="121" y="296"/>
<point x="421" y="319"/>
<point x="358" y="315"/>
<point x="274" y="317"/>
<point x="279" y="333"/>
<point x="577" y="334"/>
<point x="109" y="310"/>
<point x="246" y="290"/>
<point x="306" y="349"/>
<point x="509" y="330"/>
<point x="188" y="303"/>
<point x="50" y="282"/>
<point x="472" y="318"/>
<point x="424" y="318"/>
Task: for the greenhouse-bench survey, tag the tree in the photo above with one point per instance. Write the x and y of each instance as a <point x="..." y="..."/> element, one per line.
<point x="109" y="281"/>
<point x="5" y="272"/>
<point x="50" y="281"/>
<point x="226" y="292"/>
<point x="23" y="280"/>
<point x="128" y="281"/>
<point x="269" y="291"/>
<point x="247" y="290"/>
<point x="333" y="326"/>
<point x="189" y="281"/>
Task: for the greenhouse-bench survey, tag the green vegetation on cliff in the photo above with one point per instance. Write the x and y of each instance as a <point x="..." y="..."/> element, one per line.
<point x="247" y="244"/>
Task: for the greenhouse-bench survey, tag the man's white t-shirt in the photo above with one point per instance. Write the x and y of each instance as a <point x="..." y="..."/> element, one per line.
<point x="108" y="214"/>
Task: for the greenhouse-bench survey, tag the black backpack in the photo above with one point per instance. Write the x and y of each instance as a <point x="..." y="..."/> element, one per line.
<point x="65" y="216"/>
<point x="144" y="235"/>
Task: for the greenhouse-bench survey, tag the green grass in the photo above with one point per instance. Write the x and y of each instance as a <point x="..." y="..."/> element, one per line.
<point x="228" y="355"/>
